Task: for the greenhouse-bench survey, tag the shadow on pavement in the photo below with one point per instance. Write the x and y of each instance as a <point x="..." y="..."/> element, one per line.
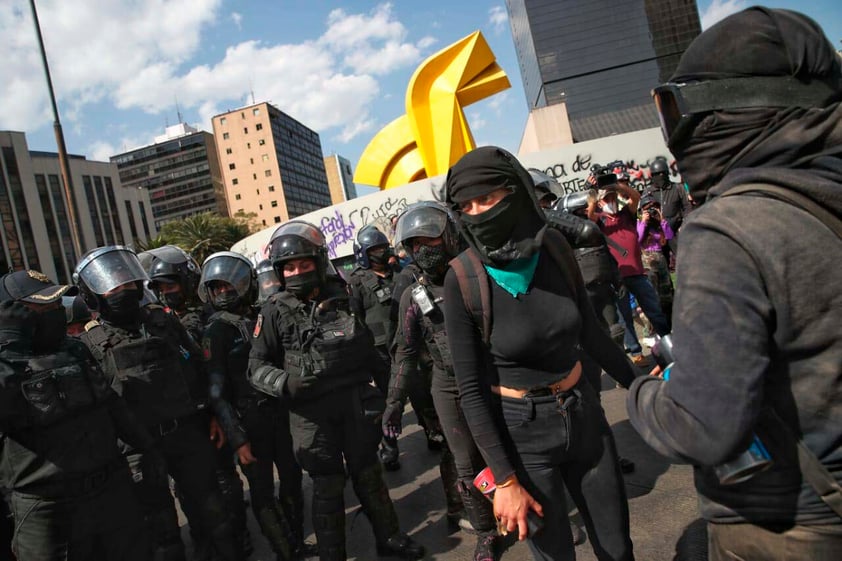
<point x="649" y="465"/>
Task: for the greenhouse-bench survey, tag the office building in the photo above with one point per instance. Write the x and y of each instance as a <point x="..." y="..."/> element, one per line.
<point x="180" y="171"/>
<point x="33" y="215"/>
<point x="272" y="165"/>
<point x="340" y="179"/>
<point x="599" y="59"/>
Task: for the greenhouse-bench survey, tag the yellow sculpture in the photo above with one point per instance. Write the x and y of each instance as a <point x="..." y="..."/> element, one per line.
<point x="434" y="133"/>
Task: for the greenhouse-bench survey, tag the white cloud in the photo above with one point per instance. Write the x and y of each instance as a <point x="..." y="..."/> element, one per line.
<point x="136" y="59"/>
<point x="498" y="18"/>
<point x="476" y="120"/>
<point x="720" y="9"/>
<point x="237" y="18"/>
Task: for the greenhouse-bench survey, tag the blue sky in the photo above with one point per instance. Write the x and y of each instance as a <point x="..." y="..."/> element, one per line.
<point x="120" y="66"/>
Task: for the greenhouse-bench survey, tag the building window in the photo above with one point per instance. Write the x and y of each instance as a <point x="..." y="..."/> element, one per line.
<point x="255" y="111"/>
<point x="254" y="176"/>
<point x="261" y="142"/>
<point x="245" y="130"/>
<point x="264" y="221"/>
<point x="271" y="188"/>
<point x="265" y="157"/>
<point x="243" y="114"/>
<point x="274" y="204"/>
<point x="277" y="219"/>
<point x="248" y="145"/>
<point x="232" y="166"/>
<point x="235" y="181"/>
<point x="229" y="151"/>
<point x="251" y="161"/>
<point x="237" y="197"/>
<point x="258" y="191"/>
<point x="223" y="121"/>
<point x="268" y="173"/>
<point x="259" y="126"/>
<point x="260" y="206"/>
<point x="225" y="136"/>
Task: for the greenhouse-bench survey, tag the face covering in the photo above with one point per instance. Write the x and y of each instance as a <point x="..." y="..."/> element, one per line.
<point x="660" y="181"/>
<point x="50" y="330"/>
<point x="432" y="259"/>
<point x="304" y="284"/>
<point x="494" y="227"/>
<point x="610" y="208"/>
<point x="122" y="307"/>
<point x="379" y="258"/>
<point x="173" y="300"/>
<point x="227" y="301"/>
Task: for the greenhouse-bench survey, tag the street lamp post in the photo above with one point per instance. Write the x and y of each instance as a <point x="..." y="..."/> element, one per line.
<point x="62" y="149"/>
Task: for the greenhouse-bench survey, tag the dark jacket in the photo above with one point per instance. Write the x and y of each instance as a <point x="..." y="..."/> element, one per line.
<point x="675" y="206"/>
<point x="757" y="326"/>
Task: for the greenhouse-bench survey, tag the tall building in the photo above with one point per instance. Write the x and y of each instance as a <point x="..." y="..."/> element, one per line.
<point x="180" y="171"/>
<point x="271" y="164"/>
<point x="600" y="58"/>
<point x="33" y="215"/>
<point x="340" y="179"/>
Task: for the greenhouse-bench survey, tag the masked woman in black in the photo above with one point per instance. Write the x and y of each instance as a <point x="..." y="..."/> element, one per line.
<point x="516" y="313"/>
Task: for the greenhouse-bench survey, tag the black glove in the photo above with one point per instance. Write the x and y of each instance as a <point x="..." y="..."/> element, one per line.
<point x="297" y="386"/>
<point x="154" y="467"/>
<point x="392" y="419"/>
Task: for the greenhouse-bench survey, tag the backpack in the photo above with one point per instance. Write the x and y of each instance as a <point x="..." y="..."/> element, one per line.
<point x="476" y="290"/>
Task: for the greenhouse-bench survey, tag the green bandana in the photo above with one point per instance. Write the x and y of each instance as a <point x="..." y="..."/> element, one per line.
<point x="517" y="275"/>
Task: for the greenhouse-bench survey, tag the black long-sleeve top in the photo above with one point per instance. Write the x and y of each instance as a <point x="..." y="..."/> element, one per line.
<point x="534" y="340"/>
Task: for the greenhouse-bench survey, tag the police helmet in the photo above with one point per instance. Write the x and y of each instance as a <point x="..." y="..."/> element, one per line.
<point x="103" y="269"/>
<point x="298" y="239"/>
<point x="573" y="202"/>
<point x="234" y="269"/>
<point x="368" y="237"/>
<point x="428" y="219"/>
<point x="659" y="166"/>
<point x="171" y="265"/>
<point x="75" y="309"/>
<point x="267" y="281"/>
<point x="545" y="186"/>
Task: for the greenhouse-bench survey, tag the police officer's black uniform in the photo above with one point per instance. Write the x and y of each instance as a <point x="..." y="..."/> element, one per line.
<point x="156" y="366"/>
<point x="312" y="352"/>
<point x="248" y="416"/>
<point x="70" y="487"/>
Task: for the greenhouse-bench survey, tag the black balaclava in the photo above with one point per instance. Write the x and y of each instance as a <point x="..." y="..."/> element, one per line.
<point x="513" y="228"/>
<point x="50" y="330"/>
<point x="432" y="259"/>
<point x="759" y="42"/>
<point x="122" y="307"/>
<point x="303" y="284"/>
<point x="173" y="300"/>
<point x="17" y="324"/>
<point x="228" y="301"/>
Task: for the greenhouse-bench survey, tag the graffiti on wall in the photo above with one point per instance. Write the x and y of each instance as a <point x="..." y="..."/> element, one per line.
<point x="572" y="175"/>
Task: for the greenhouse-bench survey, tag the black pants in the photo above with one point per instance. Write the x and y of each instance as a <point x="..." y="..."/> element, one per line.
<point x="467" y="456"/>
<point x="565" y="441"/>
<point x="105" y="523"/>
<point x="191" y="462"/>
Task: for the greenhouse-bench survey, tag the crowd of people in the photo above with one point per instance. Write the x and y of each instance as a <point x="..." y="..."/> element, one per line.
<point x="154" y="377"/>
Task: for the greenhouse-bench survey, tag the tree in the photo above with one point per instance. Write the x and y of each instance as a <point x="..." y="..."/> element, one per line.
<point x="206" y="233"/>
<point x="151" y="243"/>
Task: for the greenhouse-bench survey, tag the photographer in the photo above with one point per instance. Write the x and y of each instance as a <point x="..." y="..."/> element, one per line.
<point x="654" y="233"/>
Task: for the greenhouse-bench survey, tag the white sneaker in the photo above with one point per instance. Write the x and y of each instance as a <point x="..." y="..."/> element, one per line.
<point x="648" y="341"/>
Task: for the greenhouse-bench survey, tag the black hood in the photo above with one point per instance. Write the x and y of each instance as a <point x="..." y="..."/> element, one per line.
<point x="796" y="147"/>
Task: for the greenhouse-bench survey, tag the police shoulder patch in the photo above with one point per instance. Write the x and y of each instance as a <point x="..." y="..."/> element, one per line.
<point x="206" y="348"/>
<point x="258" y="326"/>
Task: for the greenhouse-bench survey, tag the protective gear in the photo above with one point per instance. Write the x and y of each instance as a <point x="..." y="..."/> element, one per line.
<point x="428" y="219"/>
<point x="574" y="201"/>
<point x="274" y="525"/>
<point x="297" y="386"/>
<point x="368" y="238"/>
<point x="231" y="268"/>
<point x="172" y="265"/>
<point x="302" y="285"/>
<point x="76" y="311"/>
<point x="329" y="516"/>
<point x="297" y="239"/>
<point x="432" y="258"/>
<point x="659" y="167"/>
<point x="103" y="269"/>
<point x="267" y="281"/>
<point x="392" y="419"/>
<point x="121" y="307"/>
<point x="50" y="330"/>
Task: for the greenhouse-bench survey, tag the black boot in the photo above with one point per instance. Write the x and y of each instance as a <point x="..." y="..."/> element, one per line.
<point x="377" y="505"/>
<point x="486" y="548"/>
<point x="329" y="516"/>
<point x="457" y="517"/>
<point x="231" y="487"/>
<point x="481" y="514"/>
<point x="275" y="528"/>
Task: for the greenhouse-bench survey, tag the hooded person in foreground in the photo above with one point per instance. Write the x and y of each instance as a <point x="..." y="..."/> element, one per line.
<point x="755" y="101"/>
<point x="536" y="421"/>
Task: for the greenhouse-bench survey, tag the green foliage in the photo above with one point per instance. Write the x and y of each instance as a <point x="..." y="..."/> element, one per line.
<point x="151" y="243"/>
<point x="206" y="233"/>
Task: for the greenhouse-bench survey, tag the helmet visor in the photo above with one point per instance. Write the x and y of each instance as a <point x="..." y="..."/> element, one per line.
<point x="103" y="271"/>
<point x="425" y="222"/>
<point x="302" y="230"/>
<point x="232" y="270"/>
<point x="267" y="284"/>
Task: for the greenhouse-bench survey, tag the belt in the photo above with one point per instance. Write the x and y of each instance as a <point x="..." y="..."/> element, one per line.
<point x="563" y="385"/>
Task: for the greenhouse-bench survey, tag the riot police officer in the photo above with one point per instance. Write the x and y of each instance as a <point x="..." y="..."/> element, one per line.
<point x="267" y="282"/>
<point x="371" y="283"/>
<point x="429" y="234"/>
<point x="174" y="279"/>
<point x="256" y="426"/>
<point x="312" y="352"/>
<point x="70" y="487"/>
<point x="152" y="361"/>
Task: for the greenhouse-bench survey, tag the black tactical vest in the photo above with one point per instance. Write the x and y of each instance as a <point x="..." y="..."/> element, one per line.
<point x="241" y="329"/>
<point x="433" y="328"/>
<point x="331" y="343"/>
<point x="376" y="294"/>
<point x="159" y="378"/>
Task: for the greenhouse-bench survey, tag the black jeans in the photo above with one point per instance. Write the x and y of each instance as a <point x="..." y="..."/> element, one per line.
<point x="104" y="523"/>
<point x="565" y="440"/>
<point x="746" y="542"/>
<point x="468" y="459"/>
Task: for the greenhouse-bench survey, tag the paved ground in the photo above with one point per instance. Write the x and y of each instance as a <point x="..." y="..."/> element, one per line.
<point x="661" y="500"/>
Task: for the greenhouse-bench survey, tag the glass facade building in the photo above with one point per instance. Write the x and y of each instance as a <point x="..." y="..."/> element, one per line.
<point x="600" y="58"/>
